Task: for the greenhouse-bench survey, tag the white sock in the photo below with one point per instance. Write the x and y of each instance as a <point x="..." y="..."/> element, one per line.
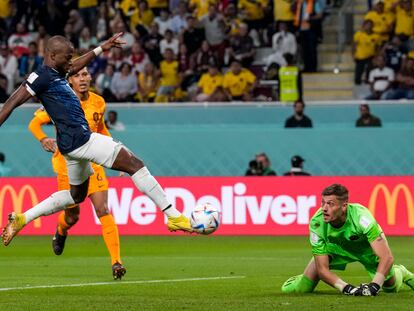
<point x="56" y="202"/>
<point x="147" y="184"/>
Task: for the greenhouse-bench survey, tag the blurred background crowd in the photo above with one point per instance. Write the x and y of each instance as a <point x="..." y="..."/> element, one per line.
<point x="176" y="50"/>
<point x="207" y="50"/>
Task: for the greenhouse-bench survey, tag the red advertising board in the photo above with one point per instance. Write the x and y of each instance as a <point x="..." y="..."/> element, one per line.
<point x="249" y="205"/>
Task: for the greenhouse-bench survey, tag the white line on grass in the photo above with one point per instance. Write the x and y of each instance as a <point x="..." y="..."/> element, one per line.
<point x="123" y="282"/>
<point x="221" y="258"/>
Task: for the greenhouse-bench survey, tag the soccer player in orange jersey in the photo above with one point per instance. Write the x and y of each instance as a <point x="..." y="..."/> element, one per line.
<point x="94" y="107"/>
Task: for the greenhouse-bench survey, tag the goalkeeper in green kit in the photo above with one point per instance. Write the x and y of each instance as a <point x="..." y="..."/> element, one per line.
<point x="341" y="233"/>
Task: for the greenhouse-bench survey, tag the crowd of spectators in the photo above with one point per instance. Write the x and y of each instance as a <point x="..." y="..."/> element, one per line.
<point x="176" y="50"/>
<point x="384" y="50"/>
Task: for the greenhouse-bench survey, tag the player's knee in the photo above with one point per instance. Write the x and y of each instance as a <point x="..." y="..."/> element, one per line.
<point x="299" y="284"/>
<point x="72" y="215"/>
<point x="127" y="162"/>
<point x="71" y="219"/>
<point x="135" y="164"/>
<point x="78" y="196"/>
<point x="101" y="211"/>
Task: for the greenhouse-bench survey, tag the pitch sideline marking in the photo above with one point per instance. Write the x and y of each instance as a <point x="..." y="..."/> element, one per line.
<point x="123" y="282"/>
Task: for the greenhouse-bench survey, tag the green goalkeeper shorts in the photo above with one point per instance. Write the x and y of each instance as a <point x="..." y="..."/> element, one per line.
<point x="339" y="263"/>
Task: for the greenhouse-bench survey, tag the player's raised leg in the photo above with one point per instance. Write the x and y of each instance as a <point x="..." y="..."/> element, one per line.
<point x="72" y="127"/>
<point x="58" y="201"/>
<point x="127" y="162"/>
<point x="107" y="152"/>
<point x="109" y="232"/>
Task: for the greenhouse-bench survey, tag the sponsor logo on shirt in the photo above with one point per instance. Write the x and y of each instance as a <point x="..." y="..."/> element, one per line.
<point x="364" y="222"/>
<point x="314" y="238"/>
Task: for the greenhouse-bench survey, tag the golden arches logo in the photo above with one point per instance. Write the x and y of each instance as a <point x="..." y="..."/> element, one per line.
<point x="17" y="200"/>
<point x="391" y="200"/>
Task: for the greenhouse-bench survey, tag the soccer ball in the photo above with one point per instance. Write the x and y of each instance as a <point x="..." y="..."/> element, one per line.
<point x="205" y="218"/>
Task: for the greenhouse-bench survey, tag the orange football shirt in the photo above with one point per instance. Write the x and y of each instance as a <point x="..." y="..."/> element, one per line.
<point x="94" y="108"/>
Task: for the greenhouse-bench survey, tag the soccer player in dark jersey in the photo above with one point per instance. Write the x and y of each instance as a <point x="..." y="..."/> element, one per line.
<point x="341" y="233"/>
<point x="75" y="141"/>
<point x="94" y="107"/>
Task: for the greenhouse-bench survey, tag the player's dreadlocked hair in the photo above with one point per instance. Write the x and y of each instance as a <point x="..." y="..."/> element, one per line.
<point x="338" y="190"/>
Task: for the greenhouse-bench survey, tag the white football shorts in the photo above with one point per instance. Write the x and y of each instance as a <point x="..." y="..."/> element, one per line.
<point x="99" y="149"/>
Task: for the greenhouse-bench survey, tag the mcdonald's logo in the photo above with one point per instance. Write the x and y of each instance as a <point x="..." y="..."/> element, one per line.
<point x="391" y="200"/>
<point x="17" y="200"/>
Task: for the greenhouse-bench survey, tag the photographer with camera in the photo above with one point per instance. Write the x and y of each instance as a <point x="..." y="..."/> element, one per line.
<point x="260" y="166"/>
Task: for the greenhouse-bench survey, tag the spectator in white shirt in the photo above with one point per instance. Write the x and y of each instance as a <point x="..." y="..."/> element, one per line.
<point x="127" y="36"/>
<point x="163" y="21"/>
<point x="8" y="67"/>
<point x="19" y="41"/>
<point x="169" y="42"/>
<point x="179" y="21"/>
<point x="215" y="31"/>
<point x="283" y="41"/>
<point x="86" y="40"/>
<point x="124" y="84"/>
<point x="380" y="78"/>
<point x="214" y="26"/>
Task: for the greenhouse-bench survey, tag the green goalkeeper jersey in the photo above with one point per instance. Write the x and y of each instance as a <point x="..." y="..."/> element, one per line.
<point x="351" y="241"/>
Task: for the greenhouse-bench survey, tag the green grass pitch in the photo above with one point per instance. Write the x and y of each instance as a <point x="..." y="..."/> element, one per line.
<point x="176" y="264"/>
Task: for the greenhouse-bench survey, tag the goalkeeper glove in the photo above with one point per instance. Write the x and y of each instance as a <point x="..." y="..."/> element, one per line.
<point x="349" y="290"/>
<point x="371" y="289"/>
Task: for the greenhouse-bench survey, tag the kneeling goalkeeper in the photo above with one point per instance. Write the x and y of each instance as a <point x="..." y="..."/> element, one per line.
<point x="341" y="233"/>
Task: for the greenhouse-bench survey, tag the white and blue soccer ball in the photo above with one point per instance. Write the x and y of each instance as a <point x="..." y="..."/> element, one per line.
<point x="205" y="218"/>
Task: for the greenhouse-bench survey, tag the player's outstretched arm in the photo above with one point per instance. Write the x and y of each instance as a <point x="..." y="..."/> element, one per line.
<point x="19" y="97"/>
<point x="85" y="59"/>
<point x="330" y="278"/>
<point x="386" y="260"/>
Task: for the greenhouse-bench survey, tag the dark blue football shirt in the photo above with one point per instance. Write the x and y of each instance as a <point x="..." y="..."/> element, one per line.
<point x="62" y="105"/>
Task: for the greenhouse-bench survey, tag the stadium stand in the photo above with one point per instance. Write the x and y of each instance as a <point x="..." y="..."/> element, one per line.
<point x="240" y="30"/>
<point x="256" y="32"/>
